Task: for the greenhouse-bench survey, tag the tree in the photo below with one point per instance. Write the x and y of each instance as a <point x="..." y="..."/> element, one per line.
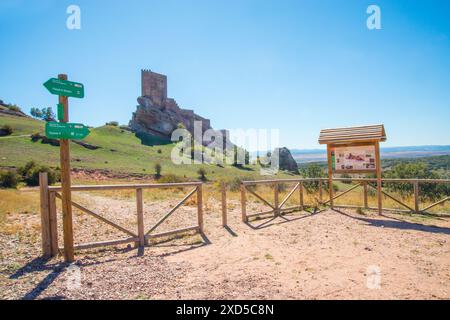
<point x="312" y="171"/>
<point x="45" y="114"/>
<point x="36" y="113"/>
<point x="418" y="170"/>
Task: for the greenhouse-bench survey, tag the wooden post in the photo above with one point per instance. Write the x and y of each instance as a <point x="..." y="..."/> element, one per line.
<point x="300" y="191"/>
<point x="200" y="208"/>
<point x="276" y="210"/>
<point x="366" y="202"/>
<point x="65" y="183"/>
<point x="53" y="223"/>
<point x="320" y="191"/>
<point x="330" y="176"/>
<point x="140" y="217"/>
<point x="378" y="164"/>
<point x="243" y="204"/>
<point x="224" y="204"/>
<point x="45" y="215"/>
<point x="416" y="196"/>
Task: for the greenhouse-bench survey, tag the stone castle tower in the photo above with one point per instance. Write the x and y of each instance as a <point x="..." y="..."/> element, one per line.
<point x="157" y="115"/>
<point x="154" y="85"/>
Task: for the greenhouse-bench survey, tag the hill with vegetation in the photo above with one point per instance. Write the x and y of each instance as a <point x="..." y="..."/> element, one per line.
<point x="119" y="151"/>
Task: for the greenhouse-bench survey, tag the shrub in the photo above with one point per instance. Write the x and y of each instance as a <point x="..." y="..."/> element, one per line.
<point x="112" y="123"/>
<point x="9" y="179"/>
<point x="170" y="178"/>
<point x="6" y="130"/>
<point x="159" y="151"/>
<point x="30" y="173"/>
<point x="158" y="169"/>
<point x="202" y="174"/>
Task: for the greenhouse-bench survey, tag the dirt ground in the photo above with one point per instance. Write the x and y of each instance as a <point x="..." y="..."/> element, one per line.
<point x="325" y="255"/>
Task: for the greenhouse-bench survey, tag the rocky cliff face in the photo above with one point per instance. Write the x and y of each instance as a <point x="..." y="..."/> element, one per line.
<point x="160" y="119"/>
<point x="286" y="161"/>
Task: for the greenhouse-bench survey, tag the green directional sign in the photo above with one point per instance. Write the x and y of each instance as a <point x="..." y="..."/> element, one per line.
<point x="66" y="130"/>
<point x="65" y="88"/>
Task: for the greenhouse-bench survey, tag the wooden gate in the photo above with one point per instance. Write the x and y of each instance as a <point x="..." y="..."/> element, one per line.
<point x="48" y="196"/>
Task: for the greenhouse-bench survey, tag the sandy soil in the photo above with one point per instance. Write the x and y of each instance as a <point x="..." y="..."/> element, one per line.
<point x="326" y="255"/>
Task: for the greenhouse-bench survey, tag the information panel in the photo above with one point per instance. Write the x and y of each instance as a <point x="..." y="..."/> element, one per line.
<point x="353" y="158"/>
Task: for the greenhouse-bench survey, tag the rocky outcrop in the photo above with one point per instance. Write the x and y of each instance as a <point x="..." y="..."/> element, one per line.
<point x="286" y="161"/>
<point x="162" y="118"/>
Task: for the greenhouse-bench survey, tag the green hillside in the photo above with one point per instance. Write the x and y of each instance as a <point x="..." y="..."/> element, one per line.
<point x="120" y="152"/>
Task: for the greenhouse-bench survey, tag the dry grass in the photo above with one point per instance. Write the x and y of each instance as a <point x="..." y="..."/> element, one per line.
<point x="14" y="203"/>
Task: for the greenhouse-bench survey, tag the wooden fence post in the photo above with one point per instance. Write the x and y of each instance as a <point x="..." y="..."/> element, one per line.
<point x="200" y="208"/>
<point x="366" y="202"/>
<point x="416" y="196"/>
<point x="276" y="210"/>
<point x="140" y="217"/>
<point x="53" y="224"/>
<point x="300" y="190"/>
<point x="243" y="204"/>
<point x="224" y="204"/>
<point x="45" y="215"/>
<point x="320" y="191"/>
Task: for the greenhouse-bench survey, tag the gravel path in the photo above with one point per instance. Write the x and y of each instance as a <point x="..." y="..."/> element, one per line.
<point x="326" y="255"/>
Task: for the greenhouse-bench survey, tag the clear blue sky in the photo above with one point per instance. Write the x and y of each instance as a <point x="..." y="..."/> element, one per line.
<point x="294" y="65"/>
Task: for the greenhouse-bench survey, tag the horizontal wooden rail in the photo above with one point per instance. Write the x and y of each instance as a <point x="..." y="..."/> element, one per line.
<point x="255" y="182"/>
<point x="92" y="245"/>
<point x="128" y="186"/>
<point x="172" y="232"/>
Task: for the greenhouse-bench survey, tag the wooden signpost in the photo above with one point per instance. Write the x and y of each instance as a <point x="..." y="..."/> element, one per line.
<point x="354" y="150"/>
<point x="65" y="131"/>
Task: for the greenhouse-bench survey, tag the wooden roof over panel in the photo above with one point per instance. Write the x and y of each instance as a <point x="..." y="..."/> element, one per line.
<point x="353" y="134"/>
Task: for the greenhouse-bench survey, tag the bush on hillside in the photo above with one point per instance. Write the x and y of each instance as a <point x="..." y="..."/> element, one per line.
<point x="170" y="178"/>
<point x="9" y="179"/>
<point x="13" y="107"/>
<point x="158" y="169"/>
<point x="202" y="174"/>
<point x="112" y="123"/>
<point x="6" y="130"/>
<point x="30" y="173"/>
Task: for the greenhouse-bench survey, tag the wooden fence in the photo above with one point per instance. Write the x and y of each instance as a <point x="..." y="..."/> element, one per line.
<point x="49" y="194"/>
<point x="278" y="207"/>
